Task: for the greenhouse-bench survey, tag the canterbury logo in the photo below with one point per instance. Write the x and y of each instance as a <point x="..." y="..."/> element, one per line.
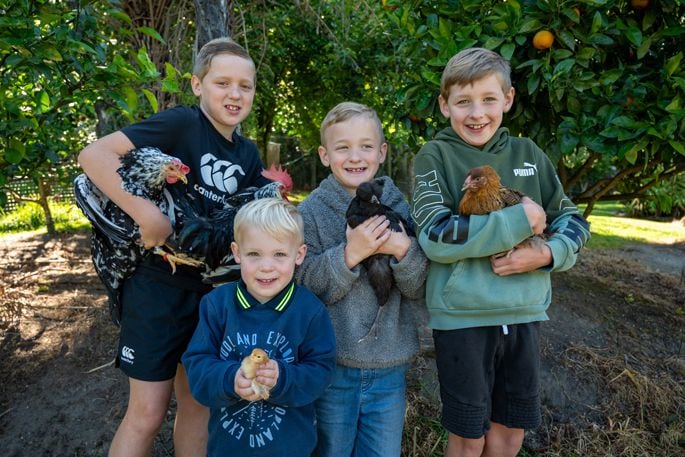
<point x="127" y="354"/>
<point x="530" y="170"/>
<point x="220" y="174"/>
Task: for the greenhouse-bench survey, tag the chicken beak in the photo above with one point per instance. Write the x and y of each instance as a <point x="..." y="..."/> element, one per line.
<point x="467" y="183"/>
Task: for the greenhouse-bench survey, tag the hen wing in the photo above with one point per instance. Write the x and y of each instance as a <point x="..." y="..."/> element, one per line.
<point x="103" y="215"/>
<point x="510" y="197"/>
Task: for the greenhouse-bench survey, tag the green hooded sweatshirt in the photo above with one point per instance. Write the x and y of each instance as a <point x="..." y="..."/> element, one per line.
<point x="461" y="289"/>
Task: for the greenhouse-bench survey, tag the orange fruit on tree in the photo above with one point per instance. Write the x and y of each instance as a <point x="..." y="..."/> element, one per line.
<point x="639" y="4"/>
<point x="543" y="39"/>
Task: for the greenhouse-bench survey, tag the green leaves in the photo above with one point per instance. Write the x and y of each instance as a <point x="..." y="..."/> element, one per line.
<point x="612" y="83"/>
<point x="58" y="60"/>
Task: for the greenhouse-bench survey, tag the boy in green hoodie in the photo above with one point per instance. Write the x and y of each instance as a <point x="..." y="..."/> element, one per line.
<point x="485" y="308"/>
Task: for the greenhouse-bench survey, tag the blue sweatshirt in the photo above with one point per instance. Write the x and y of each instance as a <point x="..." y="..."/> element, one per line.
<point x="295" y="330"/>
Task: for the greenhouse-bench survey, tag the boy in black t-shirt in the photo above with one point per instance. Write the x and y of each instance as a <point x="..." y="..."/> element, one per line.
<point x="158" y="311"/>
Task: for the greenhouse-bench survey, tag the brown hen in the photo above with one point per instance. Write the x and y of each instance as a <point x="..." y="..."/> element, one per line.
<point x="484" y="193"/>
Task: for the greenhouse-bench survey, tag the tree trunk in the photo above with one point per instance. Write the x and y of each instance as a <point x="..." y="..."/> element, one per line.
<point x="212" y="21"/>
<point x="44" y="189"/>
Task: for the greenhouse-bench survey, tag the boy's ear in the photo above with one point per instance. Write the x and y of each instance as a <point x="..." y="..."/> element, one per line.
<point x="323" y="155"/>
<point x="301" y="252"/>
<point x="236" y="251"/>
<point x="383" y="153"/>
<point x="443" y="106"/>
<point x="196" y="84"/>
<point x="509" y="99"/>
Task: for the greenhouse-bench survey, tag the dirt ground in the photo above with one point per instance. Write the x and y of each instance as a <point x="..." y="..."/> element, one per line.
<point x="613" y="357"/>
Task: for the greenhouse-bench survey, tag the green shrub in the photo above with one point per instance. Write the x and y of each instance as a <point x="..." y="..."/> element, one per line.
<point x="665" y="200"/>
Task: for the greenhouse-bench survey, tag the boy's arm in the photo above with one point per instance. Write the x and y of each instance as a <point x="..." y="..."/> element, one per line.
<point x="323" y="270"/>
<point x="302" y="382"/>
<point x="100" y="161"/>
<point x="211" y="379"/>
<point x="410" y="272"/>
<point x="569" y="231"/>
<point x="446" y="236"/>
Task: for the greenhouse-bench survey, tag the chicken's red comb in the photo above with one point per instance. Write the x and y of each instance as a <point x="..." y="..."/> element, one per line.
<point x="280" y="175"/>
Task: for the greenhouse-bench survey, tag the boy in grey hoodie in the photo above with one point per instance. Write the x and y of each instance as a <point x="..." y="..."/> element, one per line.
<point x="362" y="412"/>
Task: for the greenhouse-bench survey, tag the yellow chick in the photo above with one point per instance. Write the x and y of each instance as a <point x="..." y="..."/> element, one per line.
<point x="249" y="365"/>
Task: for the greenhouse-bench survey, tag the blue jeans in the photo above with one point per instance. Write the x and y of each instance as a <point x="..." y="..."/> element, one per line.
<point x="361" y="414"/>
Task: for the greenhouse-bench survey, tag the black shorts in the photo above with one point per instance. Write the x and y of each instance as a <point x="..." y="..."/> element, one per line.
<point x="158" y="319"/>
<point x="488" y="376"/>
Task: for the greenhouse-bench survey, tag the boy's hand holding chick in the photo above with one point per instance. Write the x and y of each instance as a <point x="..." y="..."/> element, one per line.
<point x="257" y="375"/>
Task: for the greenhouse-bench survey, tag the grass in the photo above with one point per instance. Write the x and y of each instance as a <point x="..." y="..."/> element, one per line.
<point x="611" y="230"/>
<point x="29" y="217"/>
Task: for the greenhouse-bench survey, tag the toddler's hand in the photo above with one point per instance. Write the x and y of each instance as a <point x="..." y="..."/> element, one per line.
<point x="267" y="374"/>
<point x="536" y="215"/>
<point x="243" y="387"/>
<point x="365" y="239"/>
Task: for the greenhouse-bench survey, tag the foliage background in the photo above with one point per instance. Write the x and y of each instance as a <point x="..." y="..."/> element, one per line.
<point x="605" y="101"/>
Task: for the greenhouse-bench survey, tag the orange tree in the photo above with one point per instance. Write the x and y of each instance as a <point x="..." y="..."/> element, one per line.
<point x="62" y="64"/>
<point x="603" y="95"/>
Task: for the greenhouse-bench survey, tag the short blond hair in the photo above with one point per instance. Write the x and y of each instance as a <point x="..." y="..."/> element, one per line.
<point x="473" y="64"/>
<point x="347" y="110"/>
<point x="214" y="48"/>
<point x="276" y="217"/>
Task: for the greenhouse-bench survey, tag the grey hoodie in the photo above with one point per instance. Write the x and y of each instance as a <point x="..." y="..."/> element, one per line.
<point x="347" y="293"/>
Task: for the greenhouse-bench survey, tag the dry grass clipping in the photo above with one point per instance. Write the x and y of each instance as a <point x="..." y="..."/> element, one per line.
<point x="644" y="406"/>
<point x="423" y="433"/>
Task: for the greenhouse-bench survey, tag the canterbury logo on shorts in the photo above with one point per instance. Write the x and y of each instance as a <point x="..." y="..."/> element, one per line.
<point x="127" y="354"/>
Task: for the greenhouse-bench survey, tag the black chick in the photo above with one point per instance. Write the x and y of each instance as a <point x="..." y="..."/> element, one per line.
<point x="366" y="204"/>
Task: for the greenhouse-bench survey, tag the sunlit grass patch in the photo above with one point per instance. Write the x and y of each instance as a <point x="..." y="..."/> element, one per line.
<point x="30" y="217"/>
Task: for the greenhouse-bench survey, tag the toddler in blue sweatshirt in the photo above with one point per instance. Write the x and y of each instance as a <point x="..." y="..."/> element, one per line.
<point x="264" y="310"/>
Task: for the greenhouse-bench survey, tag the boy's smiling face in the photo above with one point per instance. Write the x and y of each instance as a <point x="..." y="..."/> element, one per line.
<point x="267" y="264"/>
<point x="475" y="110"/>
<point x="353" y="151"/>
<point x="226" y="92"/>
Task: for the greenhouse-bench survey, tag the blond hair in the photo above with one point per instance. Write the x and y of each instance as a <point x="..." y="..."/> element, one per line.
<point x="273" y="216"/>
<point x="347" y="110"/>
<point x="472" y="64"/>
<point x="214" y="48"/>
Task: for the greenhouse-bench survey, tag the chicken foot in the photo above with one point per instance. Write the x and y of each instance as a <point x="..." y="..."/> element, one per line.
<point x="177" y="259"/>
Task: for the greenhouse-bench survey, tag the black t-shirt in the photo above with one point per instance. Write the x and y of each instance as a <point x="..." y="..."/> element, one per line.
<point x="218" y="167"/>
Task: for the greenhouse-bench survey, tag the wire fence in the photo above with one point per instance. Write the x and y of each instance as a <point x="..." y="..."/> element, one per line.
<point x="26" y="188"/>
